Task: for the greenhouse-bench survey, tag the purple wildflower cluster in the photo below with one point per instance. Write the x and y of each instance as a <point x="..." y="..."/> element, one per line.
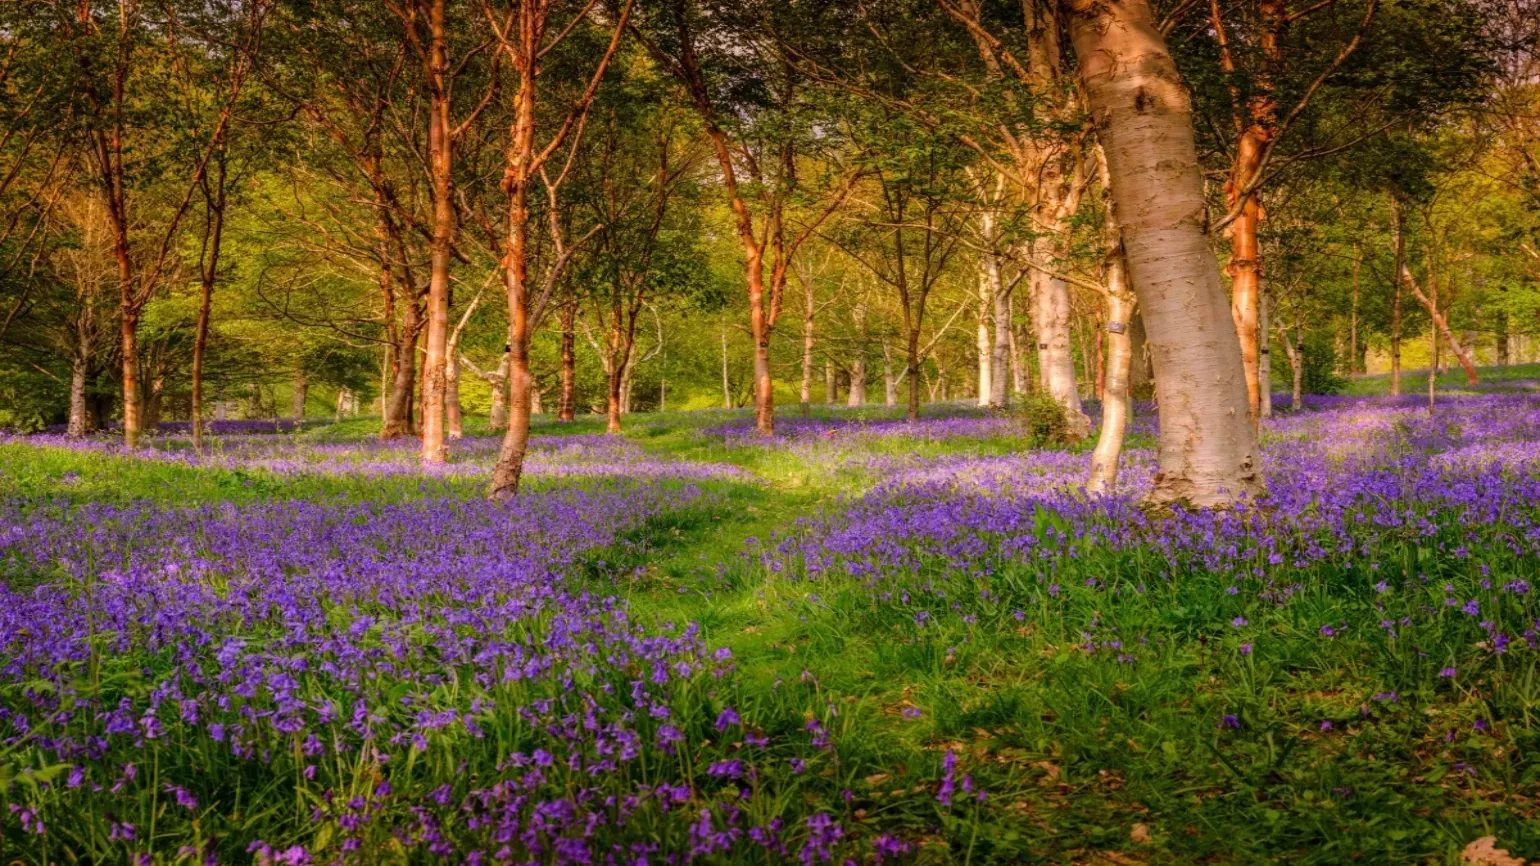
<point x="430" y="676"/>
<point x="559" y="457"/>
<point x="1355" y="494"/>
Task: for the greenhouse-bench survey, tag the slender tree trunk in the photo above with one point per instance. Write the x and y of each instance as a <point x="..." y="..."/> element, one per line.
<point x="1051" y="316"/>
<point x="1440" y="323"/>
<point x="857" y="393"/>
<point x="454" y="412"/>
<point x="80" y="371"/>
<point x="1296" y="355"/>
<point x="300" y="395"/>
<point x="1264" y="352"/>
<point x="809" y="313"/>
<point x="403" y="386"/>
<point x="152" y="402"/>
<point x="213" y="237"/>
<point x="1245" y="266"/>
<point x="1144" y="116"/>
<point x="1021" y="368"/>
<point x="1116" y="402"/>
<point x="1502" y="339"/>
<point x="614" y="395"/>
<point x="912" y="356"/>
<point x="889" y="381"/>
<point x="510" y="456"/>
<point x="727" y="382"/>
<point x="1000" y="361"/>
<point x="985" y="349"/>
<point x="1398" y="241"/>
<point x="1352" y="364"/>
<point x="440" y="172"/>
<point x="129" y="336"/>
<point x="565" y="408"/>
<point x="830" y="383"/>
<point x="1432" y="345"/>
<point x="498" y="419"/>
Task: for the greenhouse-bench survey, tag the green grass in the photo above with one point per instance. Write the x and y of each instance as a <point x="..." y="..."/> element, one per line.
<point x="1074" y="749"/>
<point x="1451" y="380"/>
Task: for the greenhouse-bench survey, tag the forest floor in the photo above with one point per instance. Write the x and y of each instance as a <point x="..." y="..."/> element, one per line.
<point x="862" y="639"/>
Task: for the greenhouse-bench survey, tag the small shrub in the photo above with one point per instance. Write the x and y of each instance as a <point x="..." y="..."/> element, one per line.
<point x="1042" y="419"/>
<point x="1320" y="373"/>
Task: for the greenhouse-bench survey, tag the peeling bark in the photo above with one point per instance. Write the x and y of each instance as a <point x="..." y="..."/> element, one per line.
<point x="1143" y="112"/>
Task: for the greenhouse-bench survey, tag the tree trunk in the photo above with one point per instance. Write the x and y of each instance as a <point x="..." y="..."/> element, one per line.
<point x="213" y="237"/>
<point x="565" y="408"/>
<point x="1395" y="302"/>
<point x="727" y="382"/>
<point x="1116" y="403"/>
<point x="985" y="349"/>
<point x="912" y="368"/>
<point x="809" y="313"/>
<point x="1352" y="361"/>
<point x="509" y="469"/>
<point x="1245" y="266"/>
<point x="614" y="397"/>
<point x="1264" y="352"/>
<point x="830" y="383"/>
<point x="301" y="393"/>
<point x="1296" y="355"/>
<point x="857" y="393"/>
<point x="1021" y="368"/>
<point x="403" y="385"/>
<point x="454" y="413"/>
<point x="498" y="419"/>
<point x="1441" y="324"/>
<point x="1432" y="345"/>
<point x="152" y="403"/>
<point x="129" y="335"/>
<point x="889" y="381"/>
<point x="1056" y="359"/>
<point x="440" y="168"/>
<point x="999" y="393"/>
<point x="80" y="371"/>
<point x="1144" y="116"/>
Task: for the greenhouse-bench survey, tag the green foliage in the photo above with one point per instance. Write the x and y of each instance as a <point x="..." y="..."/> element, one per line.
<point x="1042" y="419"/>
<point x="1321" y="365"/>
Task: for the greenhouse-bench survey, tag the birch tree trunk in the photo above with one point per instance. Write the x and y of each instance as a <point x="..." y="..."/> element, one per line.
<point x="1055" y="356"/>
<point x="1116" y="402"/>
<point x="1264" y="352"/>
<point x="1117" y="405"/>
<point x="727" y="382"/>
<point x="983" y="342"/>
<point x="889" y="383"/>
<point x="1021" y="373"/>
<point x="1144" y="117"/>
